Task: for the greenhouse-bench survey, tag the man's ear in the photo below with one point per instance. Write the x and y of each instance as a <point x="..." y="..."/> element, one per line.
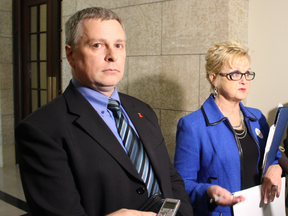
<point x="69" y="55"/>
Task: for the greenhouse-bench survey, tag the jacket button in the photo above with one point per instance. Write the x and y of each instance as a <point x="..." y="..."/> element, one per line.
<point x="141" y="190"/>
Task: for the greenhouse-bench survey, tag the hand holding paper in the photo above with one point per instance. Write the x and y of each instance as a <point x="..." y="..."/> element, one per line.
<point x="271" y="185"/>
<point x="253" y="205"/>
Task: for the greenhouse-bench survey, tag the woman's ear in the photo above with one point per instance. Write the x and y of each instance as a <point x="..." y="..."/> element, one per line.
<point x="212" y="77"/>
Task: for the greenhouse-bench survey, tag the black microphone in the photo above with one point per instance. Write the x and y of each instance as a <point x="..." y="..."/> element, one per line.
<point x="283" y="162"/>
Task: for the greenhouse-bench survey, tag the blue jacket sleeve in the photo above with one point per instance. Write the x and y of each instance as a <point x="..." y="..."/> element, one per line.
<point x="187" y="163"/>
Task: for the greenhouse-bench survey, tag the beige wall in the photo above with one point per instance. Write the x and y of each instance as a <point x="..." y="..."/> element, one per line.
<point x="7" y="152"/>
<point x="268" y="36"/>
<point x="166" y="44"/>
<point x="167" y="41"/>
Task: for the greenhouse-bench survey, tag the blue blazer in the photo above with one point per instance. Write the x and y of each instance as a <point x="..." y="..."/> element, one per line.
<point x="208" y="153"/>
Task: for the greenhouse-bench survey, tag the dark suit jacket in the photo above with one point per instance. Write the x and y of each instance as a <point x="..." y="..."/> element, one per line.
<point x="72" y="164"/>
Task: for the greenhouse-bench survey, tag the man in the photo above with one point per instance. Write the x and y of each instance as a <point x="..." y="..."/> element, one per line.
<point x="72" y="159"/>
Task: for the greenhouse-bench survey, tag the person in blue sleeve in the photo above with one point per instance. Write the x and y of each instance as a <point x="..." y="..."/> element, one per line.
<point x="220" y="147"/>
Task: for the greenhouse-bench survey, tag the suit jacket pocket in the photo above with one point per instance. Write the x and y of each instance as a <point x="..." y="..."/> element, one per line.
<point x="213" y="180"/>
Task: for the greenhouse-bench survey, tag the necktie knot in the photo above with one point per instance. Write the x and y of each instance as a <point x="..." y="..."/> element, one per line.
<point x="114" y="106"/>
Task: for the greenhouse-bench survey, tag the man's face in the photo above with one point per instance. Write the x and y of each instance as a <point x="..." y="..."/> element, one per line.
<point x="99" y="60"/>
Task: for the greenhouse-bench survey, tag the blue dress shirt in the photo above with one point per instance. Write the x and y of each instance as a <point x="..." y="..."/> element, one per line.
<point x="100" y="103"/>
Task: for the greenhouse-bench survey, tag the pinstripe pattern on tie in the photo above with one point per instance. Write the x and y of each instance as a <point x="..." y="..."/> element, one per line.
<point x="135" y="149"/>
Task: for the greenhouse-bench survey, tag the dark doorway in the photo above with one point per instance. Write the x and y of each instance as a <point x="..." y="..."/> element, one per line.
<point x="36" y="50"/>
<point x="36" y="55"/>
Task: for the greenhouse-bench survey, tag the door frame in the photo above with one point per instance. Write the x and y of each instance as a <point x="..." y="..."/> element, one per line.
<point x="21" y="51"/>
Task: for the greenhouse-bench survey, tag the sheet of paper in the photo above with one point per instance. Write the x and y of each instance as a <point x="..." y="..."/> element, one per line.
<point x="253" y="204"/>
<point x="268" y="146"/>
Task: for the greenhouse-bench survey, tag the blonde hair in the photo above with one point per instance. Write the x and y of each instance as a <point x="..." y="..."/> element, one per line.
<point x="224" y="54"/>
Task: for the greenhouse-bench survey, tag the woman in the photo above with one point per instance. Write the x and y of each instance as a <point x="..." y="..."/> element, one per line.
<point x="220" y="147"/>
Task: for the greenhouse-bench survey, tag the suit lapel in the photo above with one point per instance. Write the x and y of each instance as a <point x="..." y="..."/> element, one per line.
<point x="89" y="120"/>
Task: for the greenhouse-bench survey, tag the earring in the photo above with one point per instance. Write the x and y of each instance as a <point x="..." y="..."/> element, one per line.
<point x="215" y="92"/>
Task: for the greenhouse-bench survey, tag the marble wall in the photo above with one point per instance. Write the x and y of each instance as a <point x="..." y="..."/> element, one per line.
<point x="166" y="45"/>
<point x="7" y="150"/>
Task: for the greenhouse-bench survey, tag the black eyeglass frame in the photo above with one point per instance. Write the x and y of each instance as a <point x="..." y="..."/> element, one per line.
<point x="242" y="74"/>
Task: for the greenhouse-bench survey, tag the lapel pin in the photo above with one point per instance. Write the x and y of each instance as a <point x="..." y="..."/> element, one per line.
<point x="140" y="115"/>
<point x="259" y="133"/>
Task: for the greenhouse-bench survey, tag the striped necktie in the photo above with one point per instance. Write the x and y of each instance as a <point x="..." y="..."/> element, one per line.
<point x="135" y="149"/>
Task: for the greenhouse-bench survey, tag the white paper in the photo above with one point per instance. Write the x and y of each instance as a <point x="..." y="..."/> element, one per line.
<point x="267" y="148"/>
<point x="254" y="206"/>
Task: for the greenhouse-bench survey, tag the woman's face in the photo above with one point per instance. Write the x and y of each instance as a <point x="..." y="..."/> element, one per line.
<point x="234" y="90"/>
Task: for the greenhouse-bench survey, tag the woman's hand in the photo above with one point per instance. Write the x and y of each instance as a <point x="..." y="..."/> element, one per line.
<point x="271" y="184"/>
<point x="226" y="198"/>
<point x="127" y="212"/>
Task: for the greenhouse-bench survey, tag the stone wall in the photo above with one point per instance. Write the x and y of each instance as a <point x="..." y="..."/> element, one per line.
<point x="7" y="150"/>
<point x="166" y="45"/>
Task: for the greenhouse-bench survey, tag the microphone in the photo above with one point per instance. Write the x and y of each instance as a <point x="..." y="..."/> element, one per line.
<point x="283" y="162"/>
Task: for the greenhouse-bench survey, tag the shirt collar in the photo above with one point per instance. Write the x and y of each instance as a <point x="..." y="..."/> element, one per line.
<point x="98" y="100"/>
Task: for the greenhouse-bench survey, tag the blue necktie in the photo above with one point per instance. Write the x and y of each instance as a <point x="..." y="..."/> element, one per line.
<point x="135" y="149"/>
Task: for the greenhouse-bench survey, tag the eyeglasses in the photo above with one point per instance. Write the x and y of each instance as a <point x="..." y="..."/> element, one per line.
<point x="236" y="75"/>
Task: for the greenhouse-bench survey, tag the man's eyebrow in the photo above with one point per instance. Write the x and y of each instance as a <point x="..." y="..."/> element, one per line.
<point x="103" y="40"/>
<point x="95" y="40"/>
<point x="121" y="40"/>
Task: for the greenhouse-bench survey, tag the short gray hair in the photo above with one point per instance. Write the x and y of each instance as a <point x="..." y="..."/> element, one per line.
<point x="73" y="27"/>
